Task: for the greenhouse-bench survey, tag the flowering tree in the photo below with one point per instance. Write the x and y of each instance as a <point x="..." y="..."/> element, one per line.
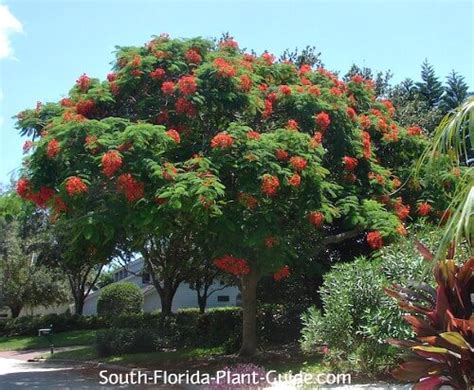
<point x="187" y="137"/>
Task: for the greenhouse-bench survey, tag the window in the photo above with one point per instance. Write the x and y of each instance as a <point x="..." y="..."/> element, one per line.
<point x="223" y="298"/>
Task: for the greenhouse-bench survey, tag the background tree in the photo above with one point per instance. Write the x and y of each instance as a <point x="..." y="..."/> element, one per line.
<point x="23" y="282"/>
<point x="381" y="79"/>
<point x="455" y="92"/>
<point x="277" y="161"/>
<point x="429" y="88"/>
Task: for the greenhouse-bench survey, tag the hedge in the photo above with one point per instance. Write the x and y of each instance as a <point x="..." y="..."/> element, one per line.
<point x="147" y="332"/>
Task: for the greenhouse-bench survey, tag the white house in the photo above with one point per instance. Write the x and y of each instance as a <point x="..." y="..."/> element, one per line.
<point x="184" y="297"/>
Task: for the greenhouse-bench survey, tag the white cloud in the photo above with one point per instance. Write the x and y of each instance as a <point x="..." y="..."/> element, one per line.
<point x="9" y="24"/>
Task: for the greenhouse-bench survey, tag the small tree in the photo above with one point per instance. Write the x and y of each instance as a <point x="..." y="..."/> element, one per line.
<point x="120" y="299"/>
<point x="24" y="282"/>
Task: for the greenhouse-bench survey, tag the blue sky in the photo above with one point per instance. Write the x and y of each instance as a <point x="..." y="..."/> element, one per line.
<point x="46" y="45"/>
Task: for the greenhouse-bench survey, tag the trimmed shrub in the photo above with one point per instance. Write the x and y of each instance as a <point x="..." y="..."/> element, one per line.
<point x="128" y="340"/>
<point x="29" y="325"/>
<point x="120" y="299"/>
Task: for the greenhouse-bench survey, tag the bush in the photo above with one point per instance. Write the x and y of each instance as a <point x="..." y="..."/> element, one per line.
<point x="358" y="316"/>
<point x="128" y="340"/>
<point x="120" y="299"/>
<point x="29" y="325"/>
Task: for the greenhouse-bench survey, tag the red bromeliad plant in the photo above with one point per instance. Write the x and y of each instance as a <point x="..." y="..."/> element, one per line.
<point x="443" y="323"/>
<point x="189" y="135"/>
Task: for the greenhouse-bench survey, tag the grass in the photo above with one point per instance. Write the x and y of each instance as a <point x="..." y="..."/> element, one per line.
<point x="148" y="359"/>
<point x="65" y="339"/>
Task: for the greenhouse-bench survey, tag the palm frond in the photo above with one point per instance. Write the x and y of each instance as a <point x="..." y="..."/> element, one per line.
<point x="455" y="137"/>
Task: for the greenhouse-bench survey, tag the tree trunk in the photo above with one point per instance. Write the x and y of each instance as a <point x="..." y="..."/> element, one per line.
<point x="166" y="298"/>
<point x="249" y="311"/>
<point x="202" y="302"/>
<point x="79" y="302"/>
<point x="16" y="310"/>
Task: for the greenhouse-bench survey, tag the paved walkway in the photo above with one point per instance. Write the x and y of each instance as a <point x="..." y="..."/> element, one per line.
<point x="18" y="374"/>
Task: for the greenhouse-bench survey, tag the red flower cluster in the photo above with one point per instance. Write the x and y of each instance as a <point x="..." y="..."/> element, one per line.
<point x="111" y="162"/>
<point x="414" y="130"/>
<point x="111" y="77"/>
<point x="228" y="44"/>
<point x="281" y="154"/>
<point x="285" y="90"/>
<point x="351" y="112"/>
<point x="85" y="107"/>
<point x="27" y="145"/>
<point x="158" y="74"/>
<point x="184" y="106"/>
<point x="193" y="57"/>
<point x="173" y="134"/>
<point x="23" y="188"/>
<point x="365" y="121"/>
<point x="282" y="273"/>
<point x="83" y="82"/>
<point x="424" y="209"/>
<point x="187" y="85"/>
<point x="316" y="218"/>
<point x="357" y="78"/>
<point x="268" y="58"/>
<point x="374" y="239"/>
<point x="350" y="163"/>
<point x="271" y="241"/>
<point x="268" y="109"/>
<point x="366" y="144"/>
<point x="245" y="83"/>
<point x="316" y="139"/>
<point x="396" y="183"/>
<point x="167" y="88"/>
<point x="402" y="210"/>
<point x="322" y="121"/>
<point x="130" y="187"/>
<point x="298" y="163"/>
<point x="66" y="102"/>
<point x="292" y="124"/>
<point x="294" y="180"/>
<point x="232" y="265"/>
<point x="222" y="140"/>
<point x="255" y="135"/>
<point x="52" y="149"/>
<point x="305" y="68"/>
<point x="313" y="90"/>
<point x="270" y="185"/>
<point x="224" y="68"/>
<point x="248" y="200"/>
<point x="75" y="186"/>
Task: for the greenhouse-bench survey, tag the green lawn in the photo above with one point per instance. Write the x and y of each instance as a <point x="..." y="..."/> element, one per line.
<point x="76" y="337"/>
<point x="139" y="359"/>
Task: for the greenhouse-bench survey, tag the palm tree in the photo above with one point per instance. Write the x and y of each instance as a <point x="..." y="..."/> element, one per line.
<point x="454" y="136"/>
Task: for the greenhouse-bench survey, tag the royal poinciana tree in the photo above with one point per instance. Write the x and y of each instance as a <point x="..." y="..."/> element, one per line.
<point x="187" y="137"/>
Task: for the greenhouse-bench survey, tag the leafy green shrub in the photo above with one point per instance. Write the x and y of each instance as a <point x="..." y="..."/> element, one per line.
<point x="29" y="325"/>
<point x="119" y="299"/>
<point x="128" y="340"/>
<point x="358" y="317"/>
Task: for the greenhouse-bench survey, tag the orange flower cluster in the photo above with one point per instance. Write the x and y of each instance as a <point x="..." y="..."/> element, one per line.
<point x="111" y="162"/>
<point x="270" y="185"/>
<point x="130" y="187"/>
<point x="374" y="239"/>
<point x="222" y="140"/>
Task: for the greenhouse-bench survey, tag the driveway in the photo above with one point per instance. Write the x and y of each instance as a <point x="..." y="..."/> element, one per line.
<point x="18" y="374"/>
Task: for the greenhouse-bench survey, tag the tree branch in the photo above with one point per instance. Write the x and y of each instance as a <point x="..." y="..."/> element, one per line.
<point x="337" y="238"/>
